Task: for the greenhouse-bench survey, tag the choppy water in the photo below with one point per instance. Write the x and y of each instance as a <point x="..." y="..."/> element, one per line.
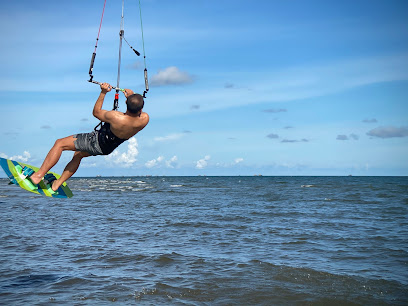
<point x="207" y="241"/>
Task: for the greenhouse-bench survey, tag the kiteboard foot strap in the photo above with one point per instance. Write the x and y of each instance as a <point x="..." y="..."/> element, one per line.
<point x="28" y="171"/>
<point x="49" y="178"/>
<point x="25" y="174"/>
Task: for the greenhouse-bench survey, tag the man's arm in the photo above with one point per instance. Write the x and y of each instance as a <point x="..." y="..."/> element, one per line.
<point x="98" y="112"/>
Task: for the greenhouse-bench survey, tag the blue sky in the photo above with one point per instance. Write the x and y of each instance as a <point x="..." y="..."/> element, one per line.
<point x="237" y="87"/>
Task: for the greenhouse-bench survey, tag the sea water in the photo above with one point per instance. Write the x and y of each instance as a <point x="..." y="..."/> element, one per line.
<point x="207" y="241"/>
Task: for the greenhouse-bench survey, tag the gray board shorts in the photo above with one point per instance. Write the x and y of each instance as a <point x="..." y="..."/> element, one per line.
<point x="88" y="142"/>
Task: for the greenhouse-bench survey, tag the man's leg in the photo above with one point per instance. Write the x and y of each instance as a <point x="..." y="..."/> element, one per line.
<point x="70" y="169"/>
<point x="53" y="156"/>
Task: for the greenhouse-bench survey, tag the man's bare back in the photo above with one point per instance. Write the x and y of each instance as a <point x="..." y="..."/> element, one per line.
<point x="123" y="125"/>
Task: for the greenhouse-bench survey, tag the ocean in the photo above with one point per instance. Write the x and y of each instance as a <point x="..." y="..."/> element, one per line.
<point x="207" y="241"/>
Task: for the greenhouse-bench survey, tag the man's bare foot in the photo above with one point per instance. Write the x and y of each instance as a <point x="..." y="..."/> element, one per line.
<point x="35" y="178"/>
<point x="55" y="185"/>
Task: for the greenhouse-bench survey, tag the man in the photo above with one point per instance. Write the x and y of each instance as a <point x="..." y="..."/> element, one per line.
<point x="117" y="128"/>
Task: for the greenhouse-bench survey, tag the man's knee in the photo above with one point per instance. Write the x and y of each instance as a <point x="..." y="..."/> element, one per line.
<point x="80" y="154"/>
<point x="66" y="143"/>
<point x="59" y="143"/>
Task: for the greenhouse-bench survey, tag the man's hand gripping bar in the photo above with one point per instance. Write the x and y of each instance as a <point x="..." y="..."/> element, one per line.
<point x="113" y="87"/>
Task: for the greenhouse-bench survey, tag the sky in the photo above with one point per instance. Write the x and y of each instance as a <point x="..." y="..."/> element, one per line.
<point x="236" y="87"/>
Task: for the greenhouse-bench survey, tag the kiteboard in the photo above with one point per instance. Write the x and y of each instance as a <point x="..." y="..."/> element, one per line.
<point x="14" y="169"/>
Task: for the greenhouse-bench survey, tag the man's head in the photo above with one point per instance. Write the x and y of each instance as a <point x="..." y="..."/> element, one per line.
<point x="134" y="103"/>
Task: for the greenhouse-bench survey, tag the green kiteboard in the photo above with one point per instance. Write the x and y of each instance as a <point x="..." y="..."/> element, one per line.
<point x="14" y="169"/>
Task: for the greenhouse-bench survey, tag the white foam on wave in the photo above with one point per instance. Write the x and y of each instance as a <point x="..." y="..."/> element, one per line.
<point x="125" y="187"/>
<point x="138" y="189"/>
<point x="306" y="186"/>
<point x="176" y="185"/>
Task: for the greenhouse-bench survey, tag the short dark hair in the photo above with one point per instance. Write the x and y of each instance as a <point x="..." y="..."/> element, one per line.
<point x="134" y="103"/>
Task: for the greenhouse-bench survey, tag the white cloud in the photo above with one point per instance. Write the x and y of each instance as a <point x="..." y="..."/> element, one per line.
<point x="202" y="163"/>
<point x="238" y="160"/>
<point x="125" y="159"/>
<point x="22" y="158"/>
<point x="170" y="137"/>
<point x="151" y="163"/>
<point x="154" y="162"/>
<point x="171" y="76"/>
<point x="172" y="162"/>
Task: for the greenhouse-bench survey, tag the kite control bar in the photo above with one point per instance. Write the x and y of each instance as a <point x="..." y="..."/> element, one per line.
<point x="113" y="87"/>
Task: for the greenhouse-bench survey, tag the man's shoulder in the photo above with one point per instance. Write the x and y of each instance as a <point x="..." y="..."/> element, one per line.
<point x="114" y="114"/>
<point x="145" y="118"/>
<point x="144" y="115"/>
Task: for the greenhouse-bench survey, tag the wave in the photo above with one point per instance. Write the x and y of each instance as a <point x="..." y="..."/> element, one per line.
<point x="29" y="281"/>
<point x="261" y="283"/>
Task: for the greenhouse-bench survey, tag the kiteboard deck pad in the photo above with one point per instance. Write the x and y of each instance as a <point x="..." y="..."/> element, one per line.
<point x="13" y="170"/>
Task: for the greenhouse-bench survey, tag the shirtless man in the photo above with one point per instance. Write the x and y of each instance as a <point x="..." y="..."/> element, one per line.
<point x="117" y="127"/>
